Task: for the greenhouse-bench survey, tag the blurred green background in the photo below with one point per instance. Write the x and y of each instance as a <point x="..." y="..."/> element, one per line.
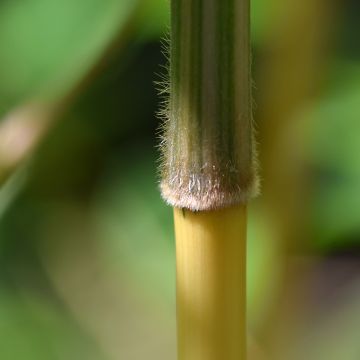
<point x="87" y="267"/>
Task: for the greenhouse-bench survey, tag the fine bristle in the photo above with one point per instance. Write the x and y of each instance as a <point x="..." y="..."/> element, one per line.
<point x="208" y="152"/>
<point x="211" y="197"/>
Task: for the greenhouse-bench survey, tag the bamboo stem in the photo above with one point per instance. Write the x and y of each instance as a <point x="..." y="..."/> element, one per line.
<point x="207" y="153"/>
<point x="211" y="284"/>
<point x="208" y="172"/>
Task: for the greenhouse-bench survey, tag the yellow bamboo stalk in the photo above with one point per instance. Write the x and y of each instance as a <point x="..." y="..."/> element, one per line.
<point x="211" y="283"/>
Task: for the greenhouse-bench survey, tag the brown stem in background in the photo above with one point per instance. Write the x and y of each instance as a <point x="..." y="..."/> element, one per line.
<point x="293" y="68"/>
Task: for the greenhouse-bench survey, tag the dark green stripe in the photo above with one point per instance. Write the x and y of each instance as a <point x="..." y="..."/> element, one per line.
<point x="226" y="66"/>
<point x="197" y="10"/>
<point x="175" y="53"/>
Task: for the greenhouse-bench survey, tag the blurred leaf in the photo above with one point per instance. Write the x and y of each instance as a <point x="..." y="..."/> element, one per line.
<point x="136" y="226"/>
<point x="334" y="155"/>
<point x="31" y="329"/>
<point x="10" y="190"/>
<point x="262" y="18"/>
<point x="154" y="17"/>
<point x="48" y="45"/>
<point x="264" y="265"/>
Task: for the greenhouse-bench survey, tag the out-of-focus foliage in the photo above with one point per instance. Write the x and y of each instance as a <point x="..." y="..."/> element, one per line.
<point x="334" y="154"/>
<point x="153" y="19"/>
<point x="260" y="19"/>
<point x="46" y="46"/>
<point x="32" y="328"/>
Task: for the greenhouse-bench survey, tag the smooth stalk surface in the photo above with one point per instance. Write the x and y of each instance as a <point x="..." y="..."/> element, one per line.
<point x="211" y="284"/>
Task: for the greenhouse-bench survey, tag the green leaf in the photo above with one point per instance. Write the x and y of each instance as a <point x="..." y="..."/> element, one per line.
<point x="47" y="46"/>
<point x="334" y="156"/>
<point x="32" y="329"/>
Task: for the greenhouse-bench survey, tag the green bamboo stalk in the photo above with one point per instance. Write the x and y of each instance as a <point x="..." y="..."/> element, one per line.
<point x="208" y="157"/>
